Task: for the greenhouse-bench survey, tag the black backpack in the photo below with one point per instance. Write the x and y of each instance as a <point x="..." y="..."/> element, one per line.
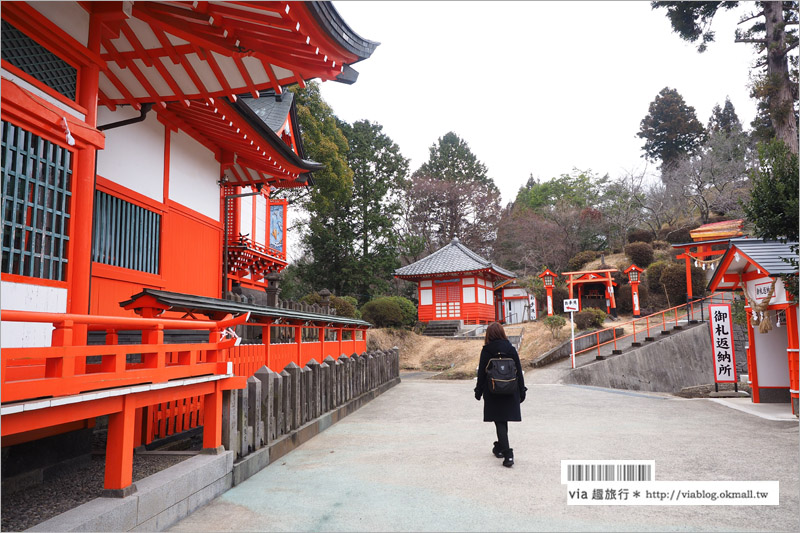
<point x="501" y="375"/>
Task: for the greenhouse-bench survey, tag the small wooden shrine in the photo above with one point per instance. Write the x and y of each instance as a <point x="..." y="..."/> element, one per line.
<point x="754" y="266"/>
<point x="594" y="288"/>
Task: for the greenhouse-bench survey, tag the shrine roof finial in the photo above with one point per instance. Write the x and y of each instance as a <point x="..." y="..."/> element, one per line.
<point x="455" y="240"/>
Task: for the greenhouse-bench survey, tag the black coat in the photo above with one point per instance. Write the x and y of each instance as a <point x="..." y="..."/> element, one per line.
<point x="499" y="408"/>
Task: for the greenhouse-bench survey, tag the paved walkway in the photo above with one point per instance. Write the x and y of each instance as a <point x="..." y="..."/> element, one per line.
<point x="418" y="458"/>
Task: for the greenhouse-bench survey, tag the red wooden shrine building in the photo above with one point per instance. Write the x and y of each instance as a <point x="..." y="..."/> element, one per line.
<point x="456" y="284"/>
<point x="143" y="144"/>
<point x="754" y="266"/>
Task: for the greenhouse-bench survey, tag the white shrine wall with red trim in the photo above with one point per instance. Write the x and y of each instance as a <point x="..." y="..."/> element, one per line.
<point x="134" y="154"/>
<point x="193" y="176"/>
<point x="471" y="299"/>
<point x="771" y="360"/>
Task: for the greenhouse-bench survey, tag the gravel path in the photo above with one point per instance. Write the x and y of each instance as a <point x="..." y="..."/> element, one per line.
<point x="71" y="488"/>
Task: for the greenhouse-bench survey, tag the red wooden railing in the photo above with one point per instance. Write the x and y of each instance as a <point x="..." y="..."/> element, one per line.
<point x="643" y="326"/>
<point x="62" y="369"/>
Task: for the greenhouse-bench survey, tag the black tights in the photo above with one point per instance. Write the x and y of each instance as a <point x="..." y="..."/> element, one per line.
<point x="502" y="434"/>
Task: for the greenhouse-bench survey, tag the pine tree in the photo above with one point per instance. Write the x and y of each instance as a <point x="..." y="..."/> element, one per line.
<point x="670" y="129"/>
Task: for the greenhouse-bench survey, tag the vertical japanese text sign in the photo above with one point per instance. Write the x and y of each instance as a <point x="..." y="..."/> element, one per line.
<point x="722" y="343"/>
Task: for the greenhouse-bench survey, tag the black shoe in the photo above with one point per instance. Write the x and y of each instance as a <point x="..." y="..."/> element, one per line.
<point x="509" y="458"/>
<point x="496" y="450"/>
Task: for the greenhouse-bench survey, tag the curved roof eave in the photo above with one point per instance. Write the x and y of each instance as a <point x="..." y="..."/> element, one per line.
<point x="328" y="18"/>
<point x="272" y="138"/>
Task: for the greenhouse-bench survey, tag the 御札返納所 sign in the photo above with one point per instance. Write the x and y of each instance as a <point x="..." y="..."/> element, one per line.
<point x="722" y="343"/>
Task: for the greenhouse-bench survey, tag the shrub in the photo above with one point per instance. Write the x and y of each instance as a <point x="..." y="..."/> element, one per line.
<point x="554" y="324"/>
<point x="581" y="258"/>
<point x="640" y="253"/>
<point x="390" y="311"/>
<point x="624" y="298"/>
<point x="673" y="279"/>
<point x="590" y="318"/>
<point x="652" y="276"/>
<point x="660" y="245"/>
<point x="346" y="306"/>
<point x="640" y="235"/>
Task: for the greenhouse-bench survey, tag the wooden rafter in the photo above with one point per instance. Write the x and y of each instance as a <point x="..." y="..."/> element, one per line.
<point x="248" y="80"/>
<point x="155" y="62"/>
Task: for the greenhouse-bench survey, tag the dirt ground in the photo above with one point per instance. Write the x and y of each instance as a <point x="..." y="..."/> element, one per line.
<point x="457" y="358"/>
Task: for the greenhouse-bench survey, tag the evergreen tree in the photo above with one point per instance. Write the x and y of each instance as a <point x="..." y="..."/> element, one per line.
<point x="773" y="205"/>
<point x="451" y="196"/>
<point x="328" y="236"/>
<point x="724" y="119"/>
<point x="379" y="173"/>
<point x="670" y="129"/>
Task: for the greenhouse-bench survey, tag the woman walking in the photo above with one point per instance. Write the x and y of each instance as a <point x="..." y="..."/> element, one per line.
<point x="500" y="408"/>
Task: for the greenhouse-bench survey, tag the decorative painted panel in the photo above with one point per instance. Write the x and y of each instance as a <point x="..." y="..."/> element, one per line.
<point x="276" y="229"/>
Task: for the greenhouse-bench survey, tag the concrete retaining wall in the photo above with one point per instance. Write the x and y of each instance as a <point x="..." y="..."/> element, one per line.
<point x="680" y="360"/>
<point x="272" y="416"/>
<point x="565" y="350"/>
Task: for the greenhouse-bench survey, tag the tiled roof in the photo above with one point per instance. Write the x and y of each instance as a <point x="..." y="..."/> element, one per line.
<point x="270" y="110"/>
<point x="455" y="257"/>
<point x="214" y="306"/>
<point x="768" y="255"/>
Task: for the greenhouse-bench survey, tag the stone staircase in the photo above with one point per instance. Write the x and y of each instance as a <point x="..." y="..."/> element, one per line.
<point x="442" y="328"/>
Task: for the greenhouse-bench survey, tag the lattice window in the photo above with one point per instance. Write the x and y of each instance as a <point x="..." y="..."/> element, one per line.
<point x="448" y="301"/>
<point x="37" y="177"/>
<point x="125" y="235"/>
<point x="37" y="61"/>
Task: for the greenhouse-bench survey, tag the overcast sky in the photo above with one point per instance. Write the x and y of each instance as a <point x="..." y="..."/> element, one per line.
<point x="534" y="87"/>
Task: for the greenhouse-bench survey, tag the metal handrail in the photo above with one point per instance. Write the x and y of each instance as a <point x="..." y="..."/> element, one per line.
<point x="680" y="312"/>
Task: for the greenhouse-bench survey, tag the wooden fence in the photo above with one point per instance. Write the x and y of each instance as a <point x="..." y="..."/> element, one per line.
<point x="276" y="404"/>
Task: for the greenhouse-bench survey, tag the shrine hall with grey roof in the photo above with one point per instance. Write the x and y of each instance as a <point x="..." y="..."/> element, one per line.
<point x="455" y="283"/>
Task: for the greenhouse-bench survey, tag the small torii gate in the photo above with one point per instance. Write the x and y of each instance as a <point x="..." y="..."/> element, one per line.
<point x="593" y="276"/>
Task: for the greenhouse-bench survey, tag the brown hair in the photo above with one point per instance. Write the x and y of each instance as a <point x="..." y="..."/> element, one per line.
<point x="494" y="332"/>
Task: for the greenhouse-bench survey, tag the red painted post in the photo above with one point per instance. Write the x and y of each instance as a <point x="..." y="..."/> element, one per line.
<point x="119" y="447"/>
<point x="212" y="418"/>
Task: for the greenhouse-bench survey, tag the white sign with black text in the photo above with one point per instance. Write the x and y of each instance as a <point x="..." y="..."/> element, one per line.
<point x="722" y="343"/>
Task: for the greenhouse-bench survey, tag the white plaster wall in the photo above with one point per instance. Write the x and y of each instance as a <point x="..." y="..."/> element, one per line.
<point x="193" y="176"/>
<point x="134" y="154"/>
<point x="25" y="297"/>
<point x="245" y="215"/>
<point x="68" y="16"/>
<point x="514" y="292"/>
<point x="771" y="360"/>
<point x="260" y="236"/>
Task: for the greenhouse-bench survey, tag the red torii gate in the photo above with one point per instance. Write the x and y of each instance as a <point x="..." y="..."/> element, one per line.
<point x="593" y="276"/>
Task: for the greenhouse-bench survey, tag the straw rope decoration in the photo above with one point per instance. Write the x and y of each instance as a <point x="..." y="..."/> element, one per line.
<point x="711" y="263"/>
<point x="759" y="317"/>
